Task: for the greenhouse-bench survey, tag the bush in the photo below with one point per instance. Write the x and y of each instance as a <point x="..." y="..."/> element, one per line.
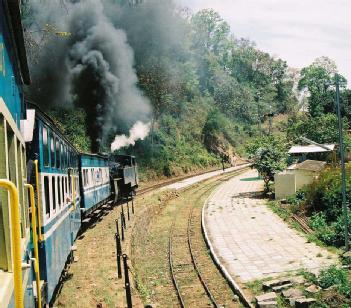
<point x="330" y="233"/>
<point x="324" y="195"/>
<point x="333" y="276"/>
<point x="337" y="277"/>
<point x="298" y="198"/>
<point x="269" y="155"/>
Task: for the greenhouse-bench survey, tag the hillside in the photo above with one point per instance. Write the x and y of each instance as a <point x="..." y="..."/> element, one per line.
<point x="203" y="91"/>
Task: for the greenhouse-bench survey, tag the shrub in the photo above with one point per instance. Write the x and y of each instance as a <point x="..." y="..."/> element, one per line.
<point x="333" y="276"/>
<point x="324" y="194"/>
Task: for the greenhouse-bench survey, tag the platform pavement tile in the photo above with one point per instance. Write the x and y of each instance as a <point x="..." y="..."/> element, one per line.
<point x="250" y="239"/>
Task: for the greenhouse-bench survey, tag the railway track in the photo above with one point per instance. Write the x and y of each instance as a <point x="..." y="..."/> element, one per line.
<point x="194" y="276"/>
<point x="190" y="285"/>
<point x="145" y="190"/>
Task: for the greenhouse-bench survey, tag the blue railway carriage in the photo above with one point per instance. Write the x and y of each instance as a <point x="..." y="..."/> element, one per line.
<point x="53" y="170"/>
<point x="95" y="181"/>
<point x="16" y="258"/>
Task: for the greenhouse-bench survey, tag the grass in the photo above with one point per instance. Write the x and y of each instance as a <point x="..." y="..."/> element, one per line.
<point x="150" y="242"/>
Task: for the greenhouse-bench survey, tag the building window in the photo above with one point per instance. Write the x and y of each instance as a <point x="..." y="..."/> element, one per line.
<point x="45" y="147"/>
<point x="47" y="196"/>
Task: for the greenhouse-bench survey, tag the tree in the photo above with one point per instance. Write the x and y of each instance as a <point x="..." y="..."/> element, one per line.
<point x="318" y="79"/>
<point x="269" y="155"/>
<point x="321" y="129"/>
<point x="210" y="32"/>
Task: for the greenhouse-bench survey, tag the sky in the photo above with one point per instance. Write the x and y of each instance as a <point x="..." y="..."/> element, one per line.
<point x="297" y="31"/>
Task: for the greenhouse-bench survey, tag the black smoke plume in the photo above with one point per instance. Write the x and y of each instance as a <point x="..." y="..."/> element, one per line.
<point x="85" y="60"/>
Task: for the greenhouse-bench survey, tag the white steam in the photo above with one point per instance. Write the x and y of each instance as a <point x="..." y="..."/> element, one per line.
<point x="138" y="132"/>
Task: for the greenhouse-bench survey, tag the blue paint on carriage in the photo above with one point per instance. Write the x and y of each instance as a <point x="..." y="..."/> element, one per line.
<point x="92" y="197"/>
<point x="55" y="250"/>
<point x="93" y="160"/>
<point x="98" y="193"/>
<point x="67" y="158"/>
<point x="63" y="212"/>
<point x="10" y="80"/>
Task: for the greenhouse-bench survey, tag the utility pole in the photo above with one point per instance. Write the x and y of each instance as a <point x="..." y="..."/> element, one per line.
<point x="342" y="159"/>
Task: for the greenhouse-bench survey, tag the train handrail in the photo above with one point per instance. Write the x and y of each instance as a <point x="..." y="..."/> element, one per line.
<point x="35" y="242"/>
<point x="16" y="240"/>
<point x="38" y="199"/>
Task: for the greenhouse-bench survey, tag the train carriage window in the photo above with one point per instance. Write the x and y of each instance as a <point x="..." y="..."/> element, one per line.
<point x="61" y="156"/>
<point x="59" y="191"/>
<point x="58" y="161"/>
<point x="63" y="191"/>
<point x="47" y="196"/>
<point x="66" y="187"/>
<point x="52" y="147"/>
<point x="53" y="183"/>
<point x="45" y="147"/>
<point x="67" y="158"/>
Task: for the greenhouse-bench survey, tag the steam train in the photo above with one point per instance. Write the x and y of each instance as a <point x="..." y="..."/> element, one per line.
<point x="47" y="187"/>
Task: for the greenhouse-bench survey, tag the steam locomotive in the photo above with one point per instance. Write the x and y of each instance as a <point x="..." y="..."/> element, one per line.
<point x="47" y="187"/>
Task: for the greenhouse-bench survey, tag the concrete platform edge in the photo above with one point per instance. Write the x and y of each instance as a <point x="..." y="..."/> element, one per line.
<point x="233" y="284"/>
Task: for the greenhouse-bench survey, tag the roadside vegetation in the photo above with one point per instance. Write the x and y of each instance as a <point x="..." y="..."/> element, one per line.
<point x="210" y="91"/>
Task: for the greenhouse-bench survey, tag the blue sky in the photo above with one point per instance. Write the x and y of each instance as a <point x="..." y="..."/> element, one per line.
<point x="297" y="31"/>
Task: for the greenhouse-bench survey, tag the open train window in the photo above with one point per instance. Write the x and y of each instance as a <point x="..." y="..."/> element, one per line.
<point x="67" y="158"/>
<point x="52" y="147"/>
<point x="47" y="196"/>
<point x="59" y="191"/>
<point x="63" y="190"/>
<point x="53" y="184"/>
<point x="58" y="161"/>
<point x="66" y="187"/>
<point x="62" y="156"/>
<point x="45" y="147"/>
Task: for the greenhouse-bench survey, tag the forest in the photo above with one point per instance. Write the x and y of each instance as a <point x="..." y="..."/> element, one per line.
<point x="209" y="92"/>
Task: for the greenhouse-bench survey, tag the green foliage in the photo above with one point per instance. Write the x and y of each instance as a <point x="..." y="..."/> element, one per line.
<point x="324" y="195"/>
<point x="72" y="123"/>
<point x="321" y="129"/>
<point x="208" y="90"/>
<point x="298" y="198"/>
<point x="333" y="276"/>
<point x="324" y="202"/>
<point x="269" y="155"/>
<point x="318" y="79"/>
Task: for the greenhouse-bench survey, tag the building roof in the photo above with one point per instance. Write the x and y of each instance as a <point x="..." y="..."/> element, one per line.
<point x="309" y="165"/>
<point x="14" y="13"/>
<point x="299" y="149"/>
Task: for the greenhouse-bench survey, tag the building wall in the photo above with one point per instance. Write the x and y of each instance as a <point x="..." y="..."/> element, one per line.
<point x="285" y="185"/>
<point x="10" y="83"/>
<point x="303" y="177"/>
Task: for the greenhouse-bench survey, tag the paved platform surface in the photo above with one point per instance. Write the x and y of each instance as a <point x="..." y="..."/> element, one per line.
<point x="249" y="240"/>
<point x="196" y="179"/>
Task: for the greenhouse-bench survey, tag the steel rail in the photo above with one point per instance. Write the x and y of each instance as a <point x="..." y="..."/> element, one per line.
<point x="207" y="289"/>
<point x="193" y="260"/>
<point x="170" y="260"/>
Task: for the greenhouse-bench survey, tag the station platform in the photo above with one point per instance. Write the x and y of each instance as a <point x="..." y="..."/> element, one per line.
<point x="248" y="240"/>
